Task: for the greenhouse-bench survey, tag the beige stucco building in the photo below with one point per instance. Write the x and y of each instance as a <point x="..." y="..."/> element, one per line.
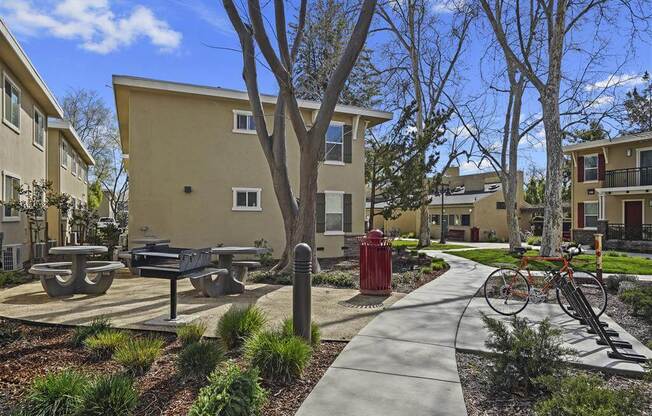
<point x="198" y="176"/>
<point x="476" y="201"/>
<point x="67" y="169"/>
<point x="26" y="105"/>
<point x="612" y="191"/>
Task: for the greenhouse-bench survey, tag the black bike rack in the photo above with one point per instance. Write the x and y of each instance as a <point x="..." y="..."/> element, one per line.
<point x="588" y="317"/>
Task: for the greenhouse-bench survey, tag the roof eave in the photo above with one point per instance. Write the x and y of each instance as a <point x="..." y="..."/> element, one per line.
<point x="71" y="135"/>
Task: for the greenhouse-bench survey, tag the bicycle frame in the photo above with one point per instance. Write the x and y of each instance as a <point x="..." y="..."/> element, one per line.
<point x="565" y="268"/>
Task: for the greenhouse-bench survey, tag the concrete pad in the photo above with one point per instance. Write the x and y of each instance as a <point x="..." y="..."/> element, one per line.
<point x="472" y="335"/>
<point x="164" y="320"/>
<point x="400" y="358"/>
<point x="362" y="393"/>
<point x="133" y="302"/>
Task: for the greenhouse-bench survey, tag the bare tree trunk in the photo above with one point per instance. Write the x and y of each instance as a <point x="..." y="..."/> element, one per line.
<point x="552" y="227"/>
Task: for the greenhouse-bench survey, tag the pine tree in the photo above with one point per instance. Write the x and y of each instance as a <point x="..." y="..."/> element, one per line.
<point x="639" y="106"/>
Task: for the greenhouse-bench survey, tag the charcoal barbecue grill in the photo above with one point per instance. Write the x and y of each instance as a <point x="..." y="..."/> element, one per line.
<point x="174" y="264"/>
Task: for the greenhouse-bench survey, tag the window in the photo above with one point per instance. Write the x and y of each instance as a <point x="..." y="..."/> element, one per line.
<point x="334" y="143"/>
<point x="11" y="187"/>
<point x="11" y="114"/>
<point x="39" y="129"/>
<point x="500" y="205"/>
<point x="334" y="212"/>
<point x="435" y="219"/>
<point x="453" y="219"/>
<point x="246" y="199"/>
<point x="73" y="160"/>
<point x="243" y="122"/>
<point x="591" y="168"/>
<point x="64" y="154"/>
<point x="79" y="168"/>
<point x="466" y="219"/>
<point x="590" y="215"/>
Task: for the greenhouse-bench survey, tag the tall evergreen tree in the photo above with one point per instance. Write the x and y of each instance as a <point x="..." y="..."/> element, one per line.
<point x="639" y="106"/>
<point x="327" y="31"/>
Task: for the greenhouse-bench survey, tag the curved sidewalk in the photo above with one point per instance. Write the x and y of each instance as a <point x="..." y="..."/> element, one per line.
<point x="403" y="362"/>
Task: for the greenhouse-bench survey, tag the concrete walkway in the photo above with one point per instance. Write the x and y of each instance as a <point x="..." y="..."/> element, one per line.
<point x="403" y="361"/>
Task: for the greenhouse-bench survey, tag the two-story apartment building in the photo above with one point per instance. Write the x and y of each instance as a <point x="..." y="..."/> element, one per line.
<point x="198" y="176"/>
<point x="67" y="169"/>
<point x="612" y="191"/>
<point x="26" y="105"/>
<point x="473" y="210"/>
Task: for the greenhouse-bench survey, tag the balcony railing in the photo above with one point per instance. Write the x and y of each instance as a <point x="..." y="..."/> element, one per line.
<point x="628" y="177"/>
<point x="629" y="233"/>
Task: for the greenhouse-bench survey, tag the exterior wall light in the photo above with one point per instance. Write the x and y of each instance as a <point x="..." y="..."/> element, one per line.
<point x="629" y="152"/>
<point x="187" y="189"/>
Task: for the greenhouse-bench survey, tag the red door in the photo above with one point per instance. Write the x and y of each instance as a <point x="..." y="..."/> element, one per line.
<point x="633" y="220"/>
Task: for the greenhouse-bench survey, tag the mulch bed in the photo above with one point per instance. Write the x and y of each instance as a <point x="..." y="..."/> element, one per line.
<point x="621" y="313"/>
<point x="480" y="399"/>
<point x="35" y="350"/>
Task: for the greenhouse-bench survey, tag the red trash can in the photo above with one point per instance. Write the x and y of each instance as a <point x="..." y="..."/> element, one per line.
<point x="375" y="264"/>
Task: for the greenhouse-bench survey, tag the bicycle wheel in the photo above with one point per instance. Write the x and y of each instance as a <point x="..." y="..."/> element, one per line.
<point x="592" y="289"/>
<point x="507" y="291"/>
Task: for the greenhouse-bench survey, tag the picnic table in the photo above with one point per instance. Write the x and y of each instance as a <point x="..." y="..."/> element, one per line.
<point x="230" y="284"/>
<point x="78" y="275"/>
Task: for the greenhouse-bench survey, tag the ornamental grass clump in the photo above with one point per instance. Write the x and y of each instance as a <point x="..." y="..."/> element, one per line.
<point x="96" y="326"/>
<point x="523" y="353"/>
<point x="109" y="395"/>
<point x="137" y="355"/>
<point x="315" y="335"/>
<point x="104" y="344"/>
<point x="191" y="333"/>
<point x="199" y="359"/>
<point x="582" y="395"/>
<point x="238" y="323"/>
<point x="231" y="391"/>
<point x="640" y="299"/>
<point x="55" y="394"/>
<point x="280" y="358"/>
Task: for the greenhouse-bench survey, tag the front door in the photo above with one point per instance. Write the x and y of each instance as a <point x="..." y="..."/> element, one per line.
<point x="633" y="220"/>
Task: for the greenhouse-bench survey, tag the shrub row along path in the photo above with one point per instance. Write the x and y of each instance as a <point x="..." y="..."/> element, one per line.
<point x="403" y="362"/>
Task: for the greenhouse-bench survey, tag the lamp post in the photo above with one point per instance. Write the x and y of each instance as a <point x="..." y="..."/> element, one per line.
<point x="442" y="189"/>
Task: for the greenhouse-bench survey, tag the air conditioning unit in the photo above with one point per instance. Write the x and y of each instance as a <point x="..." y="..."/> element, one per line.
<point x="40" y="250"/>
<point x="12" y="257"/>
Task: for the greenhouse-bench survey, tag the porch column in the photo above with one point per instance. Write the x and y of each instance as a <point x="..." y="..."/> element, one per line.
<point x="602" y="207"/>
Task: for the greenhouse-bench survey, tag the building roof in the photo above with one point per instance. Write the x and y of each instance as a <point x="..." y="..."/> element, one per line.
<point x="627" y="138"/>
<point x="468" y="198"/>
<point x="122" y="84"/>
<point x="68" y="130"/>
<point x="23" y="69"/>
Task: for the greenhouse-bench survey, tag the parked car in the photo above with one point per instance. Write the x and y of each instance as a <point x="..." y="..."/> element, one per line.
<point x="104" y="222"/>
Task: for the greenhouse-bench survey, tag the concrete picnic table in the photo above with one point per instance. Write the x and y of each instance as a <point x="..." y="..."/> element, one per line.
<point x="229" y="284"/>
<point x="66" y="278"/>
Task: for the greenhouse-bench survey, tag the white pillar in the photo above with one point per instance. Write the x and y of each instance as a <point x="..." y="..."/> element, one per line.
<point x="602" y="208"/>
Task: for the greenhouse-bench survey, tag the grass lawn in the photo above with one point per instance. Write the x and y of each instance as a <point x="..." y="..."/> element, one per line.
<point x="611" y="263"/>
<point x="432" y="246"/>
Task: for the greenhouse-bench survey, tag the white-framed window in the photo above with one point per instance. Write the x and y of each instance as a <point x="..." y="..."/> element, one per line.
<point x="39" y="129"/>
<point x="334" y="143"/>
<point x="590" y="215"/>
<point x="11" y="184"/>
<point x="73" y="163"/>
<point x="334" y="212"/>
<point x="243" y="122"/>
<point x="64" y="154"/>
<point x="246" y="199"/>
<point x="590" y="168"/>
<point x="11" y="113"/>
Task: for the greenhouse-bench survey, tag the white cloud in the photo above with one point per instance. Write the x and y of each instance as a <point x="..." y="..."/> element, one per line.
<point x="209" y="13"/>
<point x="447" y="6"/>
<point x="91" y="22"/>
<point x="601" y="101"/>
<point x="469" y="167"/>
<point x="622" y="80"/>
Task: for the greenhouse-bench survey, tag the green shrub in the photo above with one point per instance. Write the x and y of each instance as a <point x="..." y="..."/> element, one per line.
<point x="199" y="359"/>
<point x="265" y="259"/>
<point x="13" y="278"/>
<point x="584" y="395"/>
<point x="238" y="323"/>
<point x="640" y="299"/>
<point x="315" y="334"/>
<point x="55" y="394"/>
<point x="334" y="278"/>
<point x="231" y="392"/>
<point x="524" y="353"/>
<point x="191" y="333"/>
<point x="137" y="355"/>
<point x="104" y="344"/>
<point x="438" y="264"/>
<point x="96" y="326"/>
<point x="533" y="241"/>
<point x="426" y="270"/>
<point x="279" y="358"/>
<point x="612" y="282"/>
<point x="109" y="395"/>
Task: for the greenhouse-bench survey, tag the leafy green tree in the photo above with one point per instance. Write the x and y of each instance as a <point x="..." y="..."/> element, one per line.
<point x="535" y="190"/>
<point x="639" y="106"/>
<point x="594" y="131"/>
<point x="327" y="30"/>
<point x="95" y="195"/>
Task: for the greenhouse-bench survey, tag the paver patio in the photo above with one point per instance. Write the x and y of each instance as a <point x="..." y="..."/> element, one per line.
<point x="133" y="301"/>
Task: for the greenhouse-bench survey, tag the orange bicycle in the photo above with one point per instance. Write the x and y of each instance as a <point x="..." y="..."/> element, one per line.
<point x="508" y="292"/>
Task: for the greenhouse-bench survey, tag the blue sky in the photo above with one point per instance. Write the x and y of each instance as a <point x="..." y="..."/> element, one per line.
<point x="82" y="43"/>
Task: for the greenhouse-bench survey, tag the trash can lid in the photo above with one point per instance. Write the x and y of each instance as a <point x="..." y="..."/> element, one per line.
<point x="375" y="234"/>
